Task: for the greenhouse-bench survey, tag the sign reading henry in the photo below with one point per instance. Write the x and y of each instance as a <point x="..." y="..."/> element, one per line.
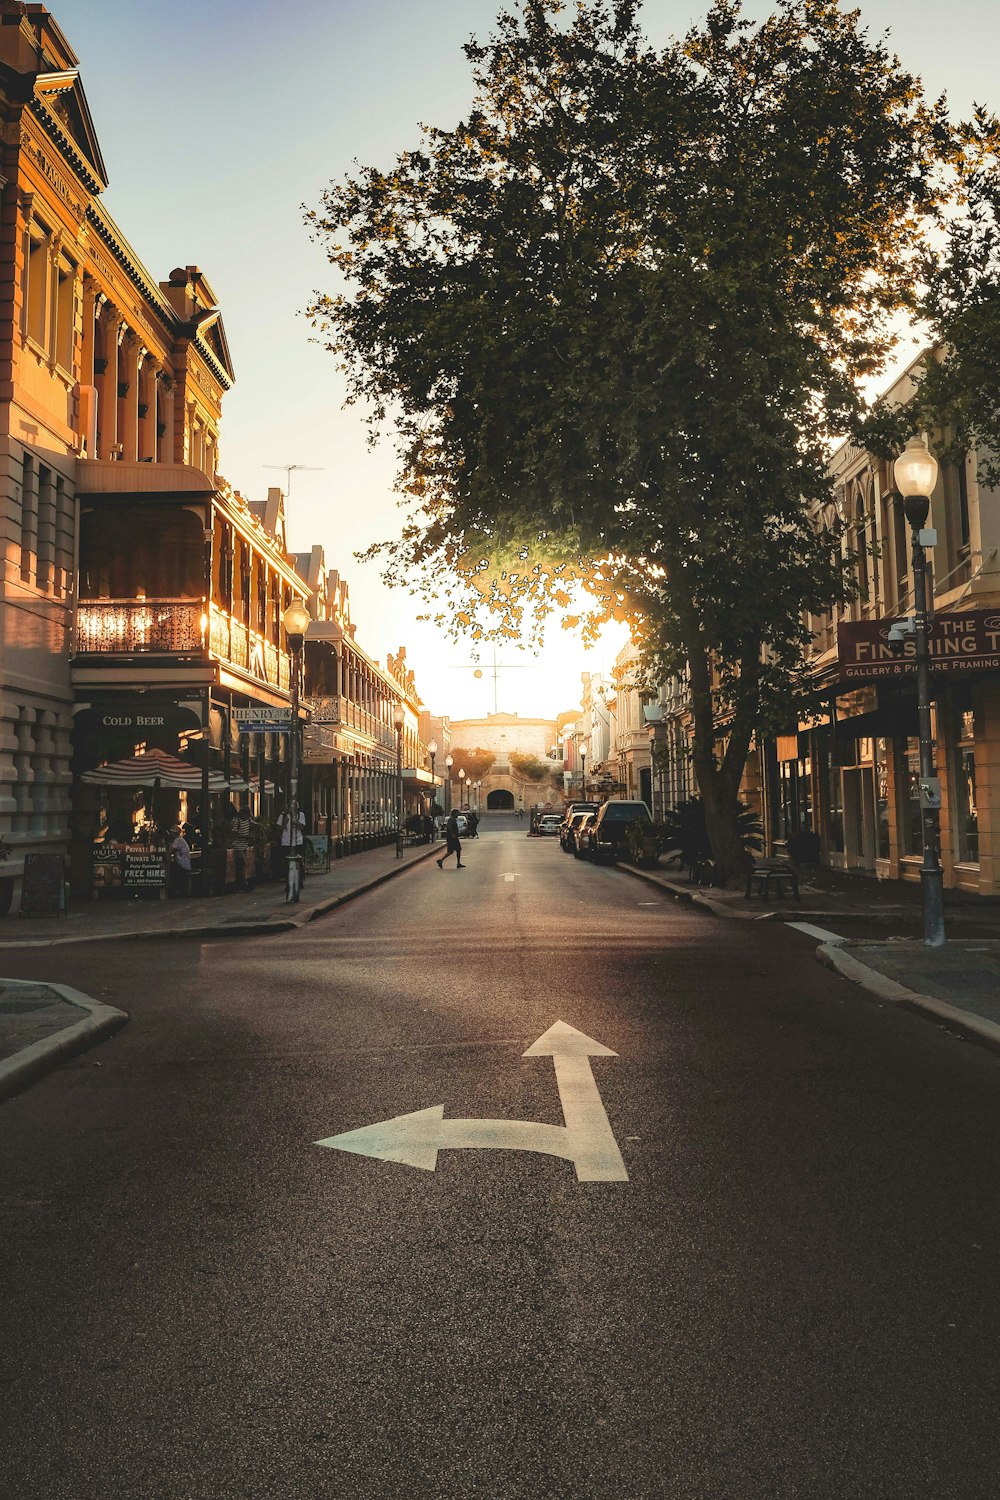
<point x="968" y="642"/>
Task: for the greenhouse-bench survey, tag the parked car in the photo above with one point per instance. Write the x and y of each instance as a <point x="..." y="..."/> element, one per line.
<point x="568" y="827"/>
<point x="581" y="822"/>
<point x="572" y="810"/>
<point x="604" y="837"/>
<point x="549" y="824"/>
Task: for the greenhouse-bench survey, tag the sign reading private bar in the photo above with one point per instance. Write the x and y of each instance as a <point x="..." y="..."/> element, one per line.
<point x="959" y="642"/>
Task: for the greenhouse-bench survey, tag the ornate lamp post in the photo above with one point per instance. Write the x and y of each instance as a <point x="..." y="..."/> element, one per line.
<point x="398" y="720"/>
<point x="461" y="786"/>
<point x="916" y="475"/>
<point x="583" y="770"/>
<point x="296" y="621"/>
<point x="449" y="761"/>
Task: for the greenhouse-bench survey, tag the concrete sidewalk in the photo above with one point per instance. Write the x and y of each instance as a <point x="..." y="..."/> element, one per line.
<point x="263" y="909"/>
<point x="43" y="1024"/>
<point x="959" y="983"/>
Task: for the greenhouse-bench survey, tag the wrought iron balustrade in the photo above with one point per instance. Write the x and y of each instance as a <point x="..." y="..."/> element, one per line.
<point x="134" y="625"/>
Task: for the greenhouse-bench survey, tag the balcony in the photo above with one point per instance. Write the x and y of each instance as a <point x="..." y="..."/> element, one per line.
<point x="131" y="626"/>
<point x="232" y="641"/>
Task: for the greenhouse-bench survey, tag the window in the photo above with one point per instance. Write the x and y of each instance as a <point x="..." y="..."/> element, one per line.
<point x="29" y="515"/>
<point x="65" y="310"/>
<point x="881" y="800"/>
<point x="37" y="285"/>
<point x="966" y="814"/>
<point x="44" y="566"/>
<point x="911" y="831"/>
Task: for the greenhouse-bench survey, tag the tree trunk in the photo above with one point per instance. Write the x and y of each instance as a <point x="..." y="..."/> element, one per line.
<point x="730" y="858"/>
<point x="719" y="784"/>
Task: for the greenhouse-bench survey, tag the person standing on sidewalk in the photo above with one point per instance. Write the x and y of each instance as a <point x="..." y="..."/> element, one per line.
<point x="452" y="840"/>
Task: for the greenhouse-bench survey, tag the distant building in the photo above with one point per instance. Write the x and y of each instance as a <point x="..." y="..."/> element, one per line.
<point x="507" y="737"/>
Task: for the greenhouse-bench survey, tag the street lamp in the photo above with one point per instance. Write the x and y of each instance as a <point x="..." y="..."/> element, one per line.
<point x="583" y="770"/>
<point x="916" y="475"/>
<point x="296" y="622"/>
<point x="449" y="761"/>
<point x="432" y="750"/>
<point x="461" y="786"/>
<point x="398" y="719"/>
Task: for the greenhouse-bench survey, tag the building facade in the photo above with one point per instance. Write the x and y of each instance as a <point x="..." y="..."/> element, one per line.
<point x="851" y="776"/>
<point x="507" y="737"/>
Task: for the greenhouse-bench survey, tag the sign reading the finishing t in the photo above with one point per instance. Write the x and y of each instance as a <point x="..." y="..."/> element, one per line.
<point x="960" y="642"/>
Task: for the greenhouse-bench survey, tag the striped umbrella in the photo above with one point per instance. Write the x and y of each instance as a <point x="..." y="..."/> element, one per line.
<point x="157" y="768"/>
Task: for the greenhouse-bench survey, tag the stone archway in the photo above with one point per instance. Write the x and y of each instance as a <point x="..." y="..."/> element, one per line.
<point x="500" y="800"/>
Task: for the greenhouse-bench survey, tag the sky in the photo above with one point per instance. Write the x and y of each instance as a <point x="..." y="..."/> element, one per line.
<point x="218" y="119"/>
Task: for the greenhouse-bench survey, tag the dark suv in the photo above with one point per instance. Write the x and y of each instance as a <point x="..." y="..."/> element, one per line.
<point x="604" y="837"/>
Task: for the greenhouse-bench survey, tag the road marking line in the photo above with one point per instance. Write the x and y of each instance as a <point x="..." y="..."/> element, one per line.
<point x="821" y="933"/>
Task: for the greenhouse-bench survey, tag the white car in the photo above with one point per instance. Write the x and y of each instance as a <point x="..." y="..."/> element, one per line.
<point x="549" y="824"/>
<point x="442" y="822"/>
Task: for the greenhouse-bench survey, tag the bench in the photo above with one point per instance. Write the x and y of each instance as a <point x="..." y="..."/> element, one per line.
<point x="780" y="875"/>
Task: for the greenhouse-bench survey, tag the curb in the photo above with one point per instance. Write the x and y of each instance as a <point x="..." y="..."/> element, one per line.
<point x="250" y="928"/>
<point x="694" y="897"/>
<point x="41" y="1057"/>
<point x="849" y="967"/>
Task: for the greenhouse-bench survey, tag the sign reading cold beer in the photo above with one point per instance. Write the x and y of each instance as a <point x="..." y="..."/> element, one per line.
<point x="967" y="642"/>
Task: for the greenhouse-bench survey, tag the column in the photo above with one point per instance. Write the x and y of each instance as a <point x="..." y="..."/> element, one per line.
<point x="130" y="362"/>
<point x="148" y="379"/>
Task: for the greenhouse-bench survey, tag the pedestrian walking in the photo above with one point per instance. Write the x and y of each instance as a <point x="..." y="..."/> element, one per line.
<point x="452" y="840"/>
<point x="473" y="822"/>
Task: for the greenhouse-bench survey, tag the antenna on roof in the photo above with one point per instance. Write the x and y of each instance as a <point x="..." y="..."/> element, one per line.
<point x="289" y="469"/>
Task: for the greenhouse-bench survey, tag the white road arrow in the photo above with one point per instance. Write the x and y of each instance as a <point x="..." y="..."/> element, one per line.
<point x="586" y="1139"/>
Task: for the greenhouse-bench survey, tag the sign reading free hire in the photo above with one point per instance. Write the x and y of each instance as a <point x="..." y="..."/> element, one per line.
<point x="964" y="642"/>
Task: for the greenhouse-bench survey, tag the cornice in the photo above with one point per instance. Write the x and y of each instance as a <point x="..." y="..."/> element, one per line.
<point x="212" y="363"/>
<point x="54" y="130"/>
<point x="133" y="268"/>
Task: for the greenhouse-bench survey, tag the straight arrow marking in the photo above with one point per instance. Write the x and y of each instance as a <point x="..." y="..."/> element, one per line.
<point x="586" y="1139"/>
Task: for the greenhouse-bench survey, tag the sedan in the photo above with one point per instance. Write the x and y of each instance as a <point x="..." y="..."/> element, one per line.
<point x="549" y="824"/>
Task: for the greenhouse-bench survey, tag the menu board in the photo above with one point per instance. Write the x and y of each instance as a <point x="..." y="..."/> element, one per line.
<point x="43" y="888"/>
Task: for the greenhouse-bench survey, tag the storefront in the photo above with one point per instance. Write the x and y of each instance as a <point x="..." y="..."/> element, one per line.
<point x="854" y="776"/>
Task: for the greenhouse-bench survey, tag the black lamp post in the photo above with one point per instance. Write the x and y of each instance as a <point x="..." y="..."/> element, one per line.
<point x="398" y="720"/>
<point x="296" y="621"/>
<point x="432" y="750"/>
<point x="449" y="761"/>
<point x="583" y="770"/>
<point x="916" y="475"/>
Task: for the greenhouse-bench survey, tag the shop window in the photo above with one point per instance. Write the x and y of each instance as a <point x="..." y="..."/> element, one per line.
<point x="911" y="832"/>
<point x="881" y="799"/>
<point x="46" y="528"/>
<point x="966" y="815"/>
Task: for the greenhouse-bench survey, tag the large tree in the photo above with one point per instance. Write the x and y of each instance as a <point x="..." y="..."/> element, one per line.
<point x="617" y="315"/>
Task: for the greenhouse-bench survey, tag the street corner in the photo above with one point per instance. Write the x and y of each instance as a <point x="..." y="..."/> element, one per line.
<point x="43" y="1025"/>
<point x="958" y="983"/>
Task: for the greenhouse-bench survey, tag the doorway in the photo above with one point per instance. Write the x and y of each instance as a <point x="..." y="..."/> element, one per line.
<point x="500" y="801"/>
<point x="859" y="817"/>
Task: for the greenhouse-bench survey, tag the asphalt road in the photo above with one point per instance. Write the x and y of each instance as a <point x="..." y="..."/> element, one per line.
<point x="794" y="1294"/>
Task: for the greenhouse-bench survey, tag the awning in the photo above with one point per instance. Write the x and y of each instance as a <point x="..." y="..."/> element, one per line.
<point x="893" y="721"/>
<point x="159" y="769"/>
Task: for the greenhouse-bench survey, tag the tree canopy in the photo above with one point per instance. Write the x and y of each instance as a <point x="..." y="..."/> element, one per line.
<point x="616" y="317"/>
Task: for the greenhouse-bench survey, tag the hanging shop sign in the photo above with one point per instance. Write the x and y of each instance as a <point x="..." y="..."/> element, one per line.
<point x="966" y="642"/>
<point x="262" y="720"/>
